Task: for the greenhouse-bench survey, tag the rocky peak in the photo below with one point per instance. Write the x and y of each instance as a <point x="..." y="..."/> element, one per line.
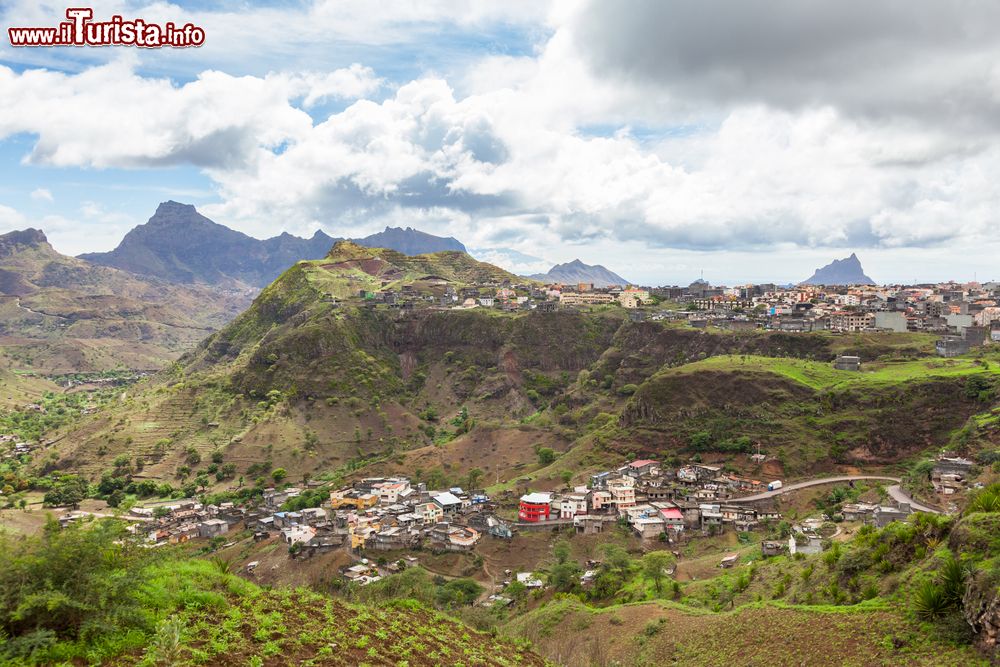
<point x="18" y="240"/>
<point x="847" y="271"/>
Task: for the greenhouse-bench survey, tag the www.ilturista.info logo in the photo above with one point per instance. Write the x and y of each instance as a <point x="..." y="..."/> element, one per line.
<point x="81" y="30"/>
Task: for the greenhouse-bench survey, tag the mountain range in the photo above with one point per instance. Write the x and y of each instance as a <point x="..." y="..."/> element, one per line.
<point x="181" y="245"/>
<point x="410" y="241"/>
<point x="63" y="314"/>
<point x="578" y="272"/>
<point x="845" y="271"/>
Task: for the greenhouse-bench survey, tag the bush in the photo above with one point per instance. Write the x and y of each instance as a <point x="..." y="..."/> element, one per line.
<point x="987" y="500"/>
<point x="458" y="592"/>
<point x="952" y="575"/>
<point x="75" y="583"/>
<point x="930" y="600"/>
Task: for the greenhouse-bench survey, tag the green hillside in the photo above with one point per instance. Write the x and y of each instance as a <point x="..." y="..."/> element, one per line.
<point x="316" y="379"/>
<point x="86" y="595"/>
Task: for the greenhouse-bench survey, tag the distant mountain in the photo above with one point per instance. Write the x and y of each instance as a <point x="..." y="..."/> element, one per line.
<point x="410" y="241"/>
<point x="578" y="272"/>
<point x="63" y="314"/>
<point x="845" y="271"/>
<point x="183" y="246"/>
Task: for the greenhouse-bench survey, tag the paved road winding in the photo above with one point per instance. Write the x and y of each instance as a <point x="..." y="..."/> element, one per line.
<point x="895" y="491"/>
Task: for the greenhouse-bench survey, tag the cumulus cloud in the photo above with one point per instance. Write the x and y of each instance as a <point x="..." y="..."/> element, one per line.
<point x="935" y="62"/>
<point x="110" y="116"/>
<point x="41" y="194"/>
<point x="513" y="260"/>
<point x="669" y="127"/>
<point x="10" y="219"/>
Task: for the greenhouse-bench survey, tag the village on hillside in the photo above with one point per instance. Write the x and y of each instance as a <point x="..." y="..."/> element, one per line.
<point x="964" y="315"/>
<point x="657" y="504"/>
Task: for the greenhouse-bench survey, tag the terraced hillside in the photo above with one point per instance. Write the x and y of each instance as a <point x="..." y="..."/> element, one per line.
<point x="129" y="606"/>
<point x="655" y="633"/>
<point x="312" y="380"/>
<point x="890" y="410"/>
<point x="921" y="592"/>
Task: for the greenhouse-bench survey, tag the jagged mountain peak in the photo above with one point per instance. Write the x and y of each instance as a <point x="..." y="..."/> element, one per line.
<point x="179" y="244"/>
<point x="577" y="271"/>
<point x="847" y="271"/>
<point x="411" y="241"/>
<point x="19" y="239"/>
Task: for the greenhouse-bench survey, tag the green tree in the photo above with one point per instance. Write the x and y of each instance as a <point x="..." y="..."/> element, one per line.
<point x="279" y="474"/>
<point x="616" y="558"/>
<point x="458" y="592"/>
<point x="475" y="475"/>
<point x="66" y="490"/>
<point x="201" y="481"/>
<point x="516" y="590"/>
<point x="564" y="576"/>
<point x="546" y="455"/>
<point x="654" y="566"/>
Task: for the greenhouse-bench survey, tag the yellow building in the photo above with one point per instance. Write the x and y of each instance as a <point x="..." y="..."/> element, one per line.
<point x="351" y="499"/>
<point x="585" y="299"/>
<point x="633" y="298"/>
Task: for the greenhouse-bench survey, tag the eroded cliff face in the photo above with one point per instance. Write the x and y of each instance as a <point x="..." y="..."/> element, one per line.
<point x="981" y="609"/>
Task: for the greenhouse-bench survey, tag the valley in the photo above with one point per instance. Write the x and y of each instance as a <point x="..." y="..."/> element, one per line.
<point x="367" y="390"/>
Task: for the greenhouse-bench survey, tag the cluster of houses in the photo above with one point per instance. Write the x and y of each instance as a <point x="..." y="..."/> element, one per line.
<point x="440" y="293"/>
<point x="374" y="513"/>
<point x="966" y="315"/>
<point x="391" y="513"/>
<point x="950" y="474"/>
<point x="15" y="447"/>
<point x="656" y="502"/>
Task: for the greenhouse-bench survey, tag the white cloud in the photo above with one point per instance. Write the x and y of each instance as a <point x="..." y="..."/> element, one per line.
<point x="313" y="34"/>
<point x="109" y="116"/>
<point x="582" y="148"/>
<point x="10" y="219"/>
<point x="41" y="194"/>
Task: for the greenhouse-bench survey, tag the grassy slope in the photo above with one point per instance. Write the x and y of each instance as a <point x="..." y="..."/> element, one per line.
<point x="851" y="605"/>
<point x="823" y="376"/>
<point x="806" y="412"/>
<point x="655" y="633"/>
<point x="228" y="620"/>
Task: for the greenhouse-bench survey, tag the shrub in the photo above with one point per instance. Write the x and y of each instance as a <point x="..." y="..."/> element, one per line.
<point x="952" y="575"/>
<point x="930" y="600"/>
<point x="79" y="581"/>
<point x="987" y="500"/>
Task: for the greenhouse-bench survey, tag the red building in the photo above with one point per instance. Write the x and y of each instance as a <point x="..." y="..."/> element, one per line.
<point x="535" y="507"/>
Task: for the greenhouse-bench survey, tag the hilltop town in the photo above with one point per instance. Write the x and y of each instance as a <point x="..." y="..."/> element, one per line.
<point x="964" y="315"/>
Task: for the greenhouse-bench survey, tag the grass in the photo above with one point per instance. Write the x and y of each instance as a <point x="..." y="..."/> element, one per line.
<point x="661" y="632"/>
<point x="196" y="614"/>
<point x="817" y="375"/>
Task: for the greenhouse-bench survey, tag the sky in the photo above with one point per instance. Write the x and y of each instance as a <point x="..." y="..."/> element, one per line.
<point x="666" y="140"/>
